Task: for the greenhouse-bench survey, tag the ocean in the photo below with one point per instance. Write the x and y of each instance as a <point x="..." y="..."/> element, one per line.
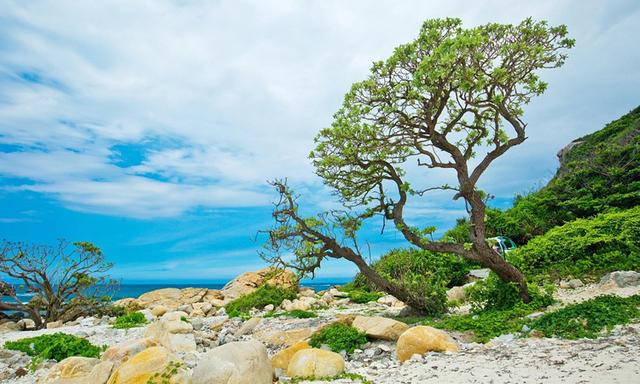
<point x="135" y="290"/>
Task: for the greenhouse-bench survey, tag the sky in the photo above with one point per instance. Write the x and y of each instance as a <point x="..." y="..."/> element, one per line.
<point x="150" y="128"/>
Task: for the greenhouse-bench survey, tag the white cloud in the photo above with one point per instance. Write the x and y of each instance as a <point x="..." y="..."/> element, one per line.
<point x="245" y="85"/>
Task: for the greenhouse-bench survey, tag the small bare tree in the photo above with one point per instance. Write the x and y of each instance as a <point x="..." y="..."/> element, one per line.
<point x="66" y="280"/>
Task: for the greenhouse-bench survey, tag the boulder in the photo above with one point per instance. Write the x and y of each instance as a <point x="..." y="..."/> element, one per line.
<point x="78" y="370"/>
<point x="279" y="338"/>
<point x="390" y="301"/>
<point x="478" y="274"/>
<point x="9" y="326"/>
<point x="248" y="326"/>
<point x="620" y="279"/>
<point x="296" y="305"/>
<point x="282" y="358"/>
<point x="173" y="332"/>
<point x="315" y="363"/>
<point x="26" y="324"/>
<point x="201" y="309"/>
<point x="306" y="292"/>
<point x="167" y="297"/>
<point x="54" y="324"/>
<point x="159" y="310"/>
<point x="122" y="352"/>
<point x="335" y="293"/>
<point x="151" y="362"/>
<point x="148" y="315"/>
<point x="422" y="339"/>
<point x="244" y="362"/>
<point x="381" y="328"/>
<point x="129" y="304"/>
<point x="250" y="281"/>
<point x="459" y="294"/>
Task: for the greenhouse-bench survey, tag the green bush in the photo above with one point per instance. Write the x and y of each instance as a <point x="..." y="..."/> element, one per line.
<point x="584" y="247"/>
<point x="425" y="275"/>
<point x="600" y="173"/>
<point x="487" y="324"/>
<point x="296" y="313"/>
<point x="57" y="346"/>
<point x="495" y="294"/>
<point x="362" y="296"/>
<point x="589" y="318"/>
<point x="130" y="320"/>
<point x="259" y="298"/>
<point x="339" y="337"/>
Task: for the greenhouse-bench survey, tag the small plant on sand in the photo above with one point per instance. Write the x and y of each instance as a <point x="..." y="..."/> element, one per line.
<point x="296" y="313"/>
<point x="164" y="377"/>
<point x="347" y="376"/>
<point x="57" y="346"/>
<point x="130" y="320"/>
<point x="589" y="318"/>
<point x="339" y="337"/>
<point x="362" y="297"/>
<point x="259" y="298"/>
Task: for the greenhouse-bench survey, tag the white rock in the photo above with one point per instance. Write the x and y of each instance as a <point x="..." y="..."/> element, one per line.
<point x="243" y="362"/>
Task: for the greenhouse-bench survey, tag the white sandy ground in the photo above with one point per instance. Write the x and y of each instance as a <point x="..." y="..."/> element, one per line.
<point x="614" y="358"/>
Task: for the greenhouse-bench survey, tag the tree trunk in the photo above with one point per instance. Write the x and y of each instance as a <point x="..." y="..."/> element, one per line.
<point x="505" y="271"/>
<point x="380" y="282"/>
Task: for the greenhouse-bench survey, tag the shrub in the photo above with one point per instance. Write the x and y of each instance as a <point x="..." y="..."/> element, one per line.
<point x="425" y="275"/>
<point x="57" y="346"/>
<point x="362" y="296"/>
<point x="589" y="318"/>
<point x="495" y="294"/>
<point x="296" y="313"/>
<point x="130" y="320"/>
<point x="487" y="324"/>
<point x="584" y="247"/>
<point x="261" y="297"/>
<point x="339" y="337"/>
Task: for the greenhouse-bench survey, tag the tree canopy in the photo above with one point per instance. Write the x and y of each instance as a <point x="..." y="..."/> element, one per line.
<point x="453" y="99"/>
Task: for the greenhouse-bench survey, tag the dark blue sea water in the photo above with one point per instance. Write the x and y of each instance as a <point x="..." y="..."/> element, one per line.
<point x="135" y="290"/>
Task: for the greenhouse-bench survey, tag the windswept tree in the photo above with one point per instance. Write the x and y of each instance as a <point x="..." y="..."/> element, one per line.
<point x="65" y="281"/>
<point x="452" y="99"/>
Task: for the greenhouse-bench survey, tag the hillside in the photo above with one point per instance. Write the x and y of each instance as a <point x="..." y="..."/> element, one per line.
<point x="598" y="172"/>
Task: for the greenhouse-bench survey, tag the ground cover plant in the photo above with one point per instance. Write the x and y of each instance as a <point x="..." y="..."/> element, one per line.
<point x="130" y="320"/>
<point x="260" y="298"/>
<point x="339" y="337"/>
<point x="57" y="346"/>
<point x="589" y="318"/>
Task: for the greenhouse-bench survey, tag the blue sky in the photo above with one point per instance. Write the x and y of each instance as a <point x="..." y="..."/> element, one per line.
<point x="150" y="127"/>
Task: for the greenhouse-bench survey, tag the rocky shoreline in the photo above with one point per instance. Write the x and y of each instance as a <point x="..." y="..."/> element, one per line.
<point x="190" y="328"/>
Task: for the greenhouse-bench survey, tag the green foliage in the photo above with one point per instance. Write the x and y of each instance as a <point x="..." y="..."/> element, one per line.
<point x="487" y="324"/>
<point x="57" y="346"/>
<point x="296" y="313"/>
<point x="347" y="376"/>
<point x="164" y="377"/>
<point x="130" y="320"/>
<point x="362" y="296"/>
<point x="495" y="294"/>
<point x="424" y="274"/>
<point x="111" y="311"/>
<point x="589" y="318"/>
<point x="600" y="173"/>
<point x="584" y="247"/>
<point x="261" y="297"/>
<point x="339" y="337"/>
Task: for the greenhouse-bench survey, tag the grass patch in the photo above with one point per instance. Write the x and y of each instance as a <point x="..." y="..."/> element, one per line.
<point x="259" y="298"/>
<point x="589" y="318"/>
<point x="296" y="313"/>
<point x="339" y="337"/>
<point x="348" y="376"/>
<point x="130" y="320"/>
<point x="57" y="346"/>
<point x="362" y="297"/>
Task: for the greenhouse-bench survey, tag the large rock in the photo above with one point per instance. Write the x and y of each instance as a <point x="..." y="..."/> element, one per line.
<point x="250" y="281"/>
<point x="390" y="301"/>
<point x="422" y="339"/>
<point x="281" y="359"/>
<point x="122" y="352"/>
<point x="9" y="326"/>
<point x="149" y="363"/>
<point x="78" y="370"/>
<point x="620" y="279"/>
<point x="167" y="297"/>
<point x="173" y="332"/>
<point x="248" y="326"/>
<point x="315" y="363"/>
<point x="279" y="338"/>
<point x="130" y="304"/>
<point x="244" y="362"/>
<point x="378" y="327"/>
